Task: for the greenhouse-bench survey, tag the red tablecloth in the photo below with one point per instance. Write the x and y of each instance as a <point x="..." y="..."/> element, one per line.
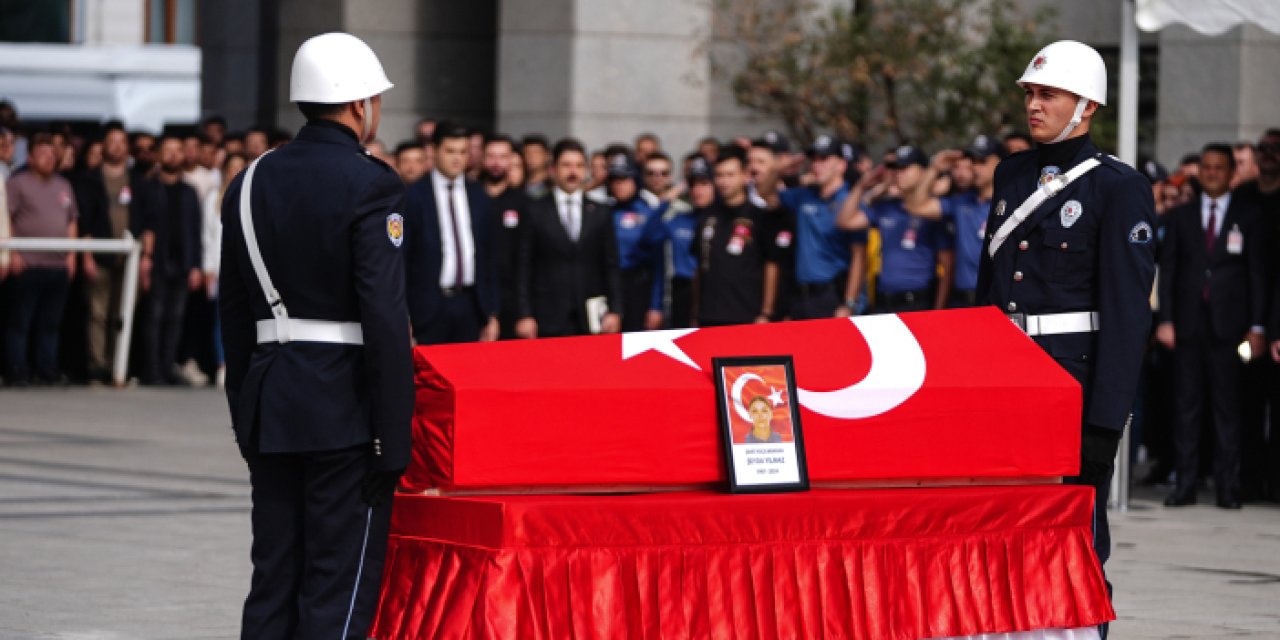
<point x="884" y="563"/>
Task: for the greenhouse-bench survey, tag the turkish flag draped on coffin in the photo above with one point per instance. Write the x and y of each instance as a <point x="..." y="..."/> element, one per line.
<point x="935" y="396"/>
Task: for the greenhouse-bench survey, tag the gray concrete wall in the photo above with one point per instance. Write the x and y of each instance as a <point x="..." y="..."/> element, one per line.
<point x="1215" y="88"/>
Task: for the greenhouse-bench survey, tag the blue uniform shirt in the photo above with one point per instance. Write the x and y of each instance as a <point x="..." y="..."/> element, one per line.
<point x="966" y="219"/>
<point x="680" y="229"/>
<point x="908" y="246"/>
<point x="641" y="233"/>
<point x="822" y="248"/>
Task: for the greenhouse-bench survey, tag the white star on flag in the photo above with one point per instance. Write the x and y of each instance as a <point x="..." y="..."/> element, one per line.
<point x="634" y="344"/>
<point x="775" y="396"/>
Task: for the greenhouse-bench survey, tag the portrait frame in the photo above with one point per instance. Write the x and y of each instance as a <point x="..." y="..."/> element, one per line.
<point x="740" y="455"/>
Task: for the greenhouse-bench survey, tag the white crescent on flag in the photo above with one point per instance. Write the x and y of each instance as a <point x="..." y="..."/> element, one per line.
<point x="897" y="367"/>
<point x="897" y="373"/>
<point x="738" y="384"/>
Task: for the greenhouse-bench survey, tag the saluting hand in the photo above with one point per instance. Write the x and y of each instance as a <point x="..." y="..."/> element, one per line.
<point x="1275" y="350"/>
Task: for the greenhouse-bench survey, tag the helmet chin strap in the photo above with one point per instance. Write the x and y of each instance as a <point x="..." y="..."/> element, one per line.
<point x="368" y="120"/>
<point x="1076" y="117"/>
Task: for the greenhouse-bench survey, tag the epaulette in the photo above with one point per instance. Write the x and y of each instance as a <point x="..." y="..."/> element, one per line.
<point x="1118" y="165"/>
<point x="375" y="160"/>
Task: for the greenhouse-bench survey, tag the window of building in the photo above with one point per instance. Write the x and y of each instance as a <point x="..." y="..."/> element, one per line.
<point x="38" y="21"/>
<point x="171" y="21"/>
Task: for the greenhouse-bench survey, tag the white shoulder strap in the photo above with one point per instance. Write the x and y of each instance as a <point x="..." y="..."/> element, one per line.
<point x="278" y="310"/>
<point x="1033" y="202"/>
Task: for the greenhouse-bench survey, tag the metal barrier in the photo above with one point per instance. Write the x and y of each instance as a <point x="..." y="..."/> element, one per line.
<point x="128" y="294"/>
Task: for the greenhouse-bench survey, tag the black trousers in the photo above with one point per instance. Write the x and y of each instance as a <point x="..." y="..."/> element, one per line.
<point x="458" y="320"/>
<point x="318" y="549"/>
<point x="1207" y="377"/>
<point x="637" y="290"/>
<point x="816" y="301"/>
<point x="36" y="298"/>
<point x="904" y="301"/>
<point x="1260" y="462"/>
<point x="166" y="307"/>
<point x="681" y="303"/>
<point x="1098" y="447"/>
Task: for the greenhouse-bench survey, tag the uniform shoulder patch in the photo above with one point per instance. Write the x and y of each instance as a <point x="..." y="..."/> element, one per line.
<point x="1141" y="233"/>
<point x="395" y="229"/>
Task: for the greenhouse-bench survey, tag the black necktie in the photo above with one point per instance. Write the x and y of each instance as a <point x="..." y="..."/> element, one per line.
<point x="457" y="236"/>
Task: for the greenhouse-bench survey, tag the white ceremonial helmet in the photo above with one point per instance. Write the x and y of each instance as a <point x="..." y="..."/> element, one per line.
<point x="1070" y="66"/>
<point x="333" y="68"/>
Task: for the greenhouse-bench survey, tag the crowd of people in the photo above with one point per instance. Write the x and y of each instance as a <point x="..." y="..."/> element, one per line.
<point x="512" y="238"/>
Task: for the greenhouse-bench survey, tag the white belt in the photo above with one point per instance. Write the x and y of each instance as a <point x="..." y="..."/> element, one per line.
<point x="1055" y="323"/>
<point x="311" y="331"/>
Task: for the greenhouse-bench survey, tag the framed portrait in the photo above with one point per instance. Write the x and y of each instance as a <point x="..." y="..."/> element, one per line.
<point x="759" y="419"/>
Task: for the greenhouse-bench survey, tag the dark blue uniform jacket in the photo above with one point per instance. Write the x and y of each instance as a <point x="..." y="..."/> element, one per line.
<point x="323" y="211"/>
<point x="1089" y="248"/>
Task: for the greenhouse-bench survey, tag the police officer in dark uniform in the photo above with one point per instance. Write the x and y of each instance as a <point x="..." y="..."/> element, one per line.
<point x="319" y="379"/>
<point x="1069" y="254"/>
<point x="911" y="247"/>
<point x="640" y="234"/>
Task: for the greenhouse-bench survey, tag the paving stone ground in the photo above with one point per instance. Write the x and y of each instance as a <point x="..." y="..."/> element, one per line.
<point x="125" y="514"/>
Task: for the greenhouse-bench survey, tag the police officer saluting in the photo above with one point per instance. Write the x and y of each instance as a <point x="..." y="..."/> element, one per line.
<point x="316" y="333"/>
<point x="1069" y="254"/>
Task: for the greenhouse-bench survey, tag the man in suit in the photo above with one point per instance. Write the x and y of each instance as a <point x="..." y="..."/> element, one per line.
<point x="319" y="378"/>
<point x="568" y="255"/>
<point x="451" y="281"/>
<point x="1213" y="290"/>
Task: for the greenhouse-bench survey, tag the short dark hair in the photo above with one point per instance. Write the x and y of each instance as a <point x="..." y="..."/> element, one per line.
<point x="198" y="135"/>
<point x="732" y="152"/>
<point x="168" y="135"/>
<point x="214" y="118"/>
<point x="499" y="138"/>
<point x="1190" y="158"/>
<point x="447" y="129"/>
<point x="1223" y="148"/>
<point x="566" y="145"/>
<point x="319" y="110"/>
<point x="406" y="146"/>
<point x="1243" y="144"/>
<point x="618" y="148"/>
<point x="535" y="139"/>
<point x="1271" y="133"/>
<point x="113" y="125"/>
<point x="658" y="155"/>
<point x="40" y="138"/>
<point x="648" y="136"/>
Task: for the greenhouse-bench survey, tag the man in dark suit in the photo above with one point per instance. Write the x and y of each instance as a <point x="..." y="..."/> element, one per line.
<point x="1213" y="290"/>
<point x="451" y="280"/>
<point x="171" y="259"/>
<point x="568" y="256"/>
<point x="319" y="379"/>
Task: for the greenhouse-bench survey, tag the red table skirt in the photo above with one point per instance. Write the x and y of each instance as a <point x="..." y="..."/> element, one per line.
<point x="873" y="563"/>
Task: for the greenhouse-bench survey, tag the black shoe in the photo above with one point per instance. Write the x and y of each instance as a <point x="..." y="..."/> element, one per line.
<point x="1228" y="500"/>
<point x="1181" y="498"/>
